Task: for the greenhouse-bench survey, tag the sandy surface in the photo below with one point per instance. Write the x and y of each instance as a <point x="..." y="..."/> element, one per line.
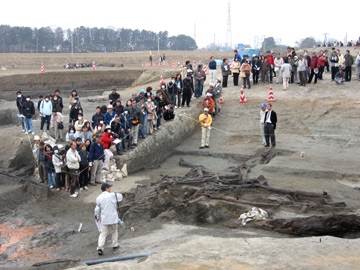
<point x="320" y="120"/>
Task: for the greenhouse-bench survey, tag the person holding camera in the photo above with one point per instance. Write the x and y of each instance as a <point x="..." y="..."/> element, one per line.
<point x="136" y="120"/>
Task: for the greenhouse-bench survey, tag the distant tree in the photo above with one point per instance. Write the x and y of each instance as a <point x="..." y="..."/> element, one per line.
<point x="308" y="42"/>
<point x="269" y="43"/>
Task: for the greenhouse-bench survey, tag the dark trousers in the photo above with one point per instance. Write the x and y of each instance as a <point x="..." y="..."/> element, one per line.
<point x="224" y="82"/>
<point x="84" y="176"/>
<point x="186" y="98"/>
<point x="198" y="89"/>
<point x="60" y="180"/>
<point x="334" y="70"/>
<point x="236" y="79"/>
<point x="321" y="71"/>
<point x="312" y="74"/>
<point x="179" y="100"/>
<point x="173" y="99"/>
<point x="303" y="77"/>
<point x="269" y="132"/>
<point x="347" y="73"/>
<point x="327" y="66"/>
<point x="255" y="76"/>
<point x="74" y="176"/>
<point x="271" y="74"/>
<point x="47" y="119"/>
<point x="125" y="136"/>
<point x="246" y="81"/>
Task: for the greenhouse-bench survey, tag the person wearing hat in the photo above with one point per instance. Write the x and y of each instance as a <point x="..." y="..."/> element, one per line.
<point x="262" y="121"/>
<point x="113" y="96"/>
<point x="106" y="213"/>
<point x="109" y="115"/>
<point x="75" y="111"/>
<point x="141" y="94"/>
<point x="106" y="138"/>
<point x="97" y="157"/>
<point x="205" y="120"/>
<point x="199" y="78"/>
<point x="209" y="103"/>
<point x="188" y="90"/>
<point x="36" y="144"/>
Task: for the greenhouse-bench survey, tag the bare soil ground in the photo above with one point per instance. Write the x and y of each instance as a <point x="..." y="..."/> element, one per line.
<point x="320" y="120"/>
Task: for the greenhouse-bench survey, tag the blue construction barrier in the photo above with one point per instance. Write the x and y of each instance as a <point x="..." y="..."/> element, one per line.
<point x="119" y="258"/>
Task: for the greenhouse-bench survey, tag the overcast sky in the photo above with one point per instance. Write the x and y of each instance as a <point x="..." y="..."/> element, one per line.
<point x="286" y="21"/>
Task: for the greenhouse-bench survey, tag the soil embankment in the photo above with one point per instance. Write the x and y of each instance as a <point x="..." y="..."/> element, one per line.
<point x="40" y="83"/>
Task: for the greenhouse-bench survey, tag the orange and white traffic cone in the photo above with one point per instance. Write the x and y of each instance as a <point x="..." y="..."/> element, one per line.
<point x="271" y="96"/>
<point x="173" y="65"/>
<point x="161" y="80"/>
<point x="206" y="71"/>
<point x="94" y="66"/>
<point x="42" y="68"/>
<point x="242" y="96"/>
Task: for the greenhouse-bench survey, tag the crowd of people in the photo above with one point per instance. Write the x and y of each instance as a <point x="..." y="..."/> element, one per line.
<point x="119" y="125"/>
<point x="290" y="68"/>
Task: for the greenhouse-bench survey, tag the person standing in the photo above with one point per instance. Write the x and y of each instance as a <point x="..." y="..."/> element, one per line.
<point x="225" y="72"/>
<point x="212" y="67"/>
<point x="218" y="90"/>
<point x="57" y="101"/>
<point x="255" y="68"/>
<point x="187" y="90"/>
<point x="235" y="67"/>
<point x="285" y="74"/>
<point x="41" y="162"/>
<point x="237" y="55"/>
<point x="73" y="162"/>
<point x="205" y="120"/>
<point x="56" y="121"/>
<point x="314" y="66"/>
<point x="265" y="69"/>
<point x="97" y="158"/>
<point x="85" y="167"/>
<point x="136" y="120"/>
<point x="322" y="60"/>
<point x="302" y="69"/>
<point x="96" y="117"/>
<point x="113" y="97"/>
<point x="357" y="64"/>
<point x="246" y="68"/>
<point x="270" y="58"/>
<point x="334" y="64"/>
<point x="278" y="62"/>
<point x="179" y="86"/>
<point x="348" y="62"/>
<point x="106" y="212"/>
<point x="46" y="109"/>
<point x="173" y="91"/>
<point x="199" y="78"/>
<point x="20" y="100"/>
<point x="28" y="110"/>
<point x="262" y="121"/>
<point x="270" y="120"/>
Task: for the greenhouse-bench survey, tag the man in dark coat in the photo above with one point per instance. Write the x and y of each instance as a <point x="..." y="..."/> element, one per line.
<point x="270" y="120"/>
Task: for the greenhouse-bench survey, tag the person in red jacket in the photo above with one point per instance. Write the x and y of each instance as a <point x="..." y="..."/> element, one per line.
<point x="106" y="138"/>
<point x="314" y="66"/>
<point x="271" y="64"/>
<point x="322" y="62"/>
<point x="209" y="103"/>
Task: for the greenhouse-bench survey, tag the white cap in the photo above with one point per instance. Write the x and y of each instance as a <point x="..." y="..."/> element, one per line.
<point x="189" y="70"/>
<point x="206" y="109"/>
<point x="36" y="138"/>
<point x="110" y="106"/>
<point x="209" y="94"/>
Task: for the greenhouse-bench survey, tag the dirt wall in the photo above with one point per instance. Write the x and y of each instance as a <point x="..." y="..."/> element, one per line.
<point x="40" y="83"/>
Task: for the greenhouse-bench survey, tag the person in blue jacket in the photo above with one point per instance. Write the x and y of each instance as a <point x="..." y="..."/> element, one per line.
<point x="109" y="115"/>
<point x="97" y="158"/>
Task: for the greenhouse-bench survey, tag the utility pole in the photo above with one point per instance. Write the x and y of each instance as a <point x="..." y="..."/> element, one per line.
<point x="228" y="32"/>
<point x="158" y="46"/>
<point x="72" y="44"/>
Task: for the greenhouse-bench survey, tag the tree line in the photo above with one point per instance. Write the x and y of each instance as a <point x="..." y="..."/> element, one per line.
<point x="84" y="39"/>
